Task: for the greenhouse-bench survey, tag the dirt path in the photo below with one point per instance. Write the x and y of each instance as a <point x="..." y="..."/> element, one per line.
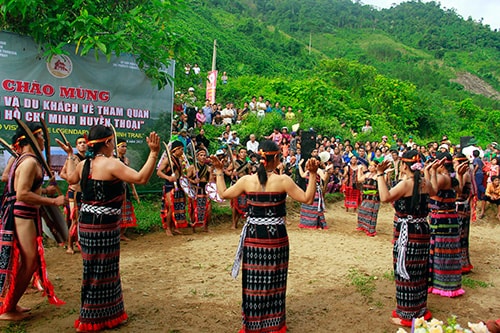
<point x="182" y="283"/>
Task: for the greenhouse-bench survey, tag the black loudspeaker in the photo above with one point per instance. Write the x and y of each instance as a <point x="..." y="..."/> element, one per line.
<point x="464" y="141"/>
<point x="307" y="145"/>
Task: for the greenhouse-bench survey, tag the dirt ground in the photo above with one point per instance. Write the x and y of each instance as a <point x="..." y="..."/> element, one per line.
<point x="339" y="280"/>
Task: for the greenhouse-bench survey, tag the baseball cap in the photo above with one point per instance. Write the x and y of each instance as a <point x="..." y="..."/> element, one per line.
<point x="445" y="146"/>
<point x="219" y="152"/>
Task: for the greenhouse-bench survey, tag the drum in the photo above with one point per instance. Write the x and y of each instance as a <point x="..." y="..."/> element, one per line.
<point x="211" y="190"/>
<point x="54" y="224"/>
<point x="187" y="188"/>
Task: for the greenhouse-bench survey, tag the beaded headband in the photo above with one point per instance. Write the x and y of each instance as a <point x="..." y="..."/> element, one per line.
<point x="91" y="143"/>
<point x="22" y="137"/>
<point x="414" y="159"/>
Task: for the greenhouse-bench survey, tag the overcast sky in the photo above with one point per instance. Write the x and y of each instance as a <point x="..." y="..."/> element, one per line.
<point x="489" y="10"/>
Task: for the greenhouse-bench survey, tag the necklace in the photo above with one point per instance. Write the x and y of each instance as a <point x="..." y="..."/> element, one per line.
<point x="97" y="155"/>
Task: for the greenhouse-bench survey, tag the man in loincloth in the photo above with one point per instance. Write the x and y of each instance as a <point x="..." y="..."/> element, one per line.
<point x="21" y="242"/>
<point x="173" y="212"/>
<point x="74" y="195"/>
<point x="238" y="169"/>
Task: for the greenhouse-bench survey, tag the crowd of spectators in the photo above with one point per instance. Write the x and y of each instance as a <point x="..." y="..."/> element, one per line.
<point x="190" y="120"/>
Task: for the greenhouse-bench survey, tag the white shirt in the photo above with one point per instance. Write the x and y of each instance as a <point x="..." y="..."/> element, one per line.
<point x="225" y="113"/>
<point x="253" y="146"/>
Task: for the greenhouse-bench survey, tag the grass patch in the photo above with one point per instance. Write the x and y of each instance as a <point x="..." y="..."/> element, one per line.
<point x="364" y="283"/>
<point x="15" y="328"/>
<point x="388" y="275"/>
<point x="473" y="284"/>
<point x="334" y="197"/>
<point x="148" y="213"/>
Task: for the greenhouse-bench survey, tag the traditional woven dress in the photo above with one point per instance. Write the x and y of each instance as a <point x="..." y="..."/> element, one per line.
<point x="240" y="202"/>
<point x="200" y="206"/>
<point x="445" y="252"/>
<point x="464" y="215"/>
<point x="313" y="216"/>
<point x="411" y="258"/>
<point x="129" y="219"/>
<point x="264" y="251"/>
<point x="9" y="244"/>
<point x="368" y="211"/>
<point x="352" y="196"/>
<point x="99" y="229"/>
<point x="178" y="200"/>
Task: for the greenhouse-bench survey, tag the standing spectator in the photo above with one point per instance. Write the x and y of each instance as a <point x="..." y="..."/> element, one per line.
<point x="207" y="111"/>
<point x="410" y="142"/>
<point x="477" y="164"/>
<point x="285" y="134"/>
<point x="269" y="108"/>
<point x="196" y="69"/>
<point x="202" y="141"/>
<point x="294" y="142"/>
<point x="243" y="114"/>
<point x="289" y="115"/>
<point x="275" y="136"/>
<point x="200" y="118"/>
<point x="277" y="107"/>
<point x="227" y="114"/>
<point x="367" y="128"/>
<point x="224" y="78"/>
<point x="253" y="105"/>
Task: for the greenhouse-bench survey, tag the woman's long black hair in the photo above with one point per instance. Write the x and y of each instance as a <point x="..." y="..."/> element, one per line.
<point x="410" y="158"/>
<point x="95" y="133"/>
<point x="448" y="164"/>
<point x="267" y="153"/>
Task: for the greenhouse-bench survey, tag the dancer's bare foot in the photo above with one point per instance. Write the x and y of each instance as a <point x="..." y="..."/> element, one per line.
<point x="13" y="316"/>
<point x="397" y="321"/>
<point x="233" y="227"/>
<point x="80" y="329"/>
<point x="70" y="251"/>
<point x="177" y="232"/>
<point x="124" y="238"/>
<point x="169" y="232"/>
<point x="22" y="309"/>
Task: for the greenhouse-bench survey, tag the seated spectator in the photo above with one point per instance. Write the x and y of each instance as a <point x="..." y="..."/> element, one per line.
<point x="233" y="140"/>
<point x="252" y="144"/>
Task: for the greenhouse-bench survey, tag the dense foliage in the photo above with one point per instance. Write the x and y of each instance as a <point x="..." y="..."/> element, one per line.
<point x="107" y="26"/>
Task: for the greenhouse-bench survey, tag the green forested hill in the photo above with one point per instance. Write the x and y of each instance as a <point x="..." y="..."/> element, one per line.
<point x="347" y="62"/>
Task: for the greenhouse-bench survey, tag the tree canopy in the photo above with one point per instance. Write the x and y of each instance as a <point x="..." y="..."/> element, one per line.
<point x="132" y="26"/>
